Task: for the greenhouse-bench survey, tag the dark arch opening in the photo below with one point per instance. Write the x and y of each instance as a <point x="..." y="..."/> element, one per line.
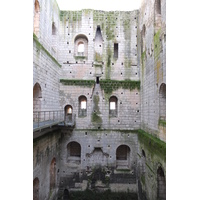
<point x="162" y="102"/>
<point x="74" y="149"/>
<point x="143" y="153"/>
<point x="161" y="184"/>
<point x="53" y="174"/>
<point x="66" y="194"/>
<point x="158" y="6"/>
<point x="36" y="189"/>
<point x="123" y="156"/>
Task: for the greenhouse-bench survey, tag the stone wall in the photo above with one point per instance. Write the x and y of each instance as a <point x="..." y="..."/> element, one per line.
<point x="46" y="72"/>
<point x="45" y="150"/>
<point x="152" y="62"/>
<point x="102" y="30"/>
<point x="98" y="165"/>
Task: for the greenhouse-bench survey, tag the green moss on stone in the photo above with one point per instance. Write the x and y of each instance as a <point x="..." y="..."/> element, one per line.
<point x="162" y="123"/>
<point x="110" y="85"/>
<point x="41" y="47"/>
<point x="154" y="145"/>
<point x="82" y="83"/>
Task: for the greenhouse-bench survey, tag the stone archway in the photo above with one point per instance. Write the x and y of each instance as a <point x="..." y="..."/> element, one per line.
<point x="161" y="184"/>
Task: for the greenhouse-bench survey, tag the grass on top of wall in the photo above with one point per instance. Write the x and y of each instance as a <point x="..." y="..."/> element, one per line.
<point x="86" y="83"/>
<point x="40" y="46"/>
<point x="154" y="145"/>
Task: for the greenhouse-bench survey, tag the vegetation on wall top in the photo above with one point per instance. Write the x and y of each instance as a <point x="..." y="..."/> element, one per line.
<point x="154" y="145"/>
<point x="40" y="46"/>
<point x="110" y="85"/>
<point x="84" y="83"/>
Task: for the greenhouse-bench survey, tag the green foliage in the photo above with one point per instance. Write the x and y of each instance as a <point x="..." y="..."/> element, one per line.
<point x="107" y="195"/>
<point x="110" y="85"/>
<point x="73" y="16"/>
<point x="157" y="45"/>
<point x="143" y="179"/>
<point x="41" y="47"/>
<point x="162" y="123"/>
<point x="80" y="57"/>
<point x="96" y="119"/>
<point x="82" y="83"/>
<point x="154" y="145"/>
<point x="98" y="57"/>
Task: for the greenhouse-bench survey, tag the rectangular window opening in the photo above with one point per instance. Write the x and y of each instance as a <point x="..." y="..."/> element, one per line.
<point x="83" y="104"/>
<point x="112" y="106"/>
<point x="115" y="50"/>
<point x="97" y="80"/>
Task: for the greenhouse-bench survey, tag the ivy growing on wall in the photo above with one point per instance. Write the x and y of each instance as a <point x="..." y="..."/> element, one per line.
<point x="84" y="83"/>
<point x="110" y="85"/>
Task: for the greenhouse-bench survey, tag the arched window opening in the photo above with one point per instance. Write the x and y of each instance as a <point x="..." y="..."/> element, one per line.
<point x="162" y="102"/>
<point x="68" y="113"/>
<point x="123" y="157"/>
<point x="113" y="106"/>
<point x="53" y="28"/>
<point x="37" y="95"/>
<point x="36" y="189"/>
<point x="158" y="6"/>
<point x="80" y="46"/>
<point x="143" y="153"/>
<point x="82" y="106"/>
<point x="36" y="18"/>
<point x="161" y="184"/>
<point x="66" y="194"/>
<point x="53" y="174"/>
<point x="74" y="152"/>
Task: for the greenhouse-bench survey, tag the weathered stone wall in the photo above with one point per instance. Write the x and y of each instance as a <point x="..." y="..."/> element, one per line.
<point x="128" y="107"/>
<point x="46" y="72"/>
<point x="116" y="27"/>
<point x="151" y="157"/>
<point x="45" y="149"/>
<point x="97" y="166"/>
<point x="152" y="62"/>
<point x="48" y="14"/>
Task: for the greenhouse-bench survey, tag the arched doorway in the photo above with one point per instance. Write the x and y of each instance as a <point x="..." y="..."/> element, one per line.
<point x="36" y="189"/>
<point x="68" y="114"/>
<point x="161" y="184"/>
<point x="162" y="102"/>
<point x="36" y="24"/>
<point x="123" y="157"/>
<point x="53" y="174"/>
<point x="66" y="194"/>
<point x="37" y="95"/>
<point x="74" y="152"/>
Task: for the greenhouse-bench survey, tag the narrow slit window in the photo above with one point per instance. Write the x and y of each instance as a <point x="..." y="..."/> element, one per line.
<point x="115" y="50"/>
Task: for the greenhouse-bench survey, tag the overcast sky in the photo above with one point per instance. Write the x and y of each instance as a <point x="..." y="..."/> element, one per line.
<point x="107" y="5"/>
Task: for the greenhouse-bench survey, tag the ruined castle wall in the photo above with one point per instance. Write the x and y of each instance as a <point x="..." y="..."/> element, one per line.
<point x="151" y="158"/>
<point x="97" y="166"/>
<point x="116" y="27"/>
<point x="48" y="14"/>
<point x="45" y="149"/>
<point x="97" y="114"/>
<point x="152" y="62"/>
<point x="46" y="72"/>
